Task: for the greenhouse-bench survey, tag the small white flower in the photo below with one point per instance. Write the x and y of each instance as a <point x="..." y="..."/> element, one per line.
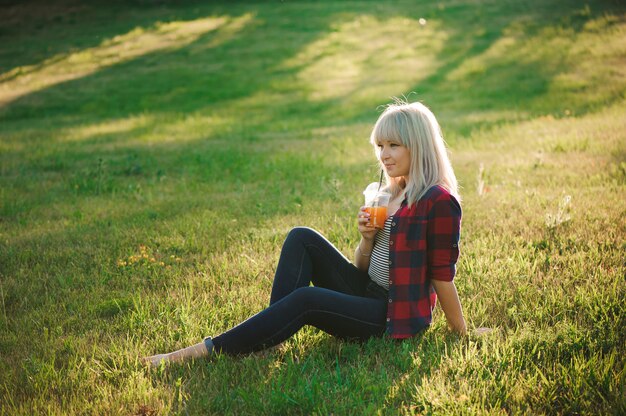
<point x="480" y="180"/>
<point x="562" y="214"/>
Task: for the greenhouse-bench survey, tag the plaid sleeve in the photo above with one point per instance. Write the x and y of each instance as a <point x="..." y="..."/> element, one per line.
<point x="443" y="235"/>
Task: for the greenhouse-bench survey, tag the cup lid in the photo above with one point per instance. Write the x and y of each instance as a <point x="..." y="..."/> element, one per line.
<point x="372" y="189"/>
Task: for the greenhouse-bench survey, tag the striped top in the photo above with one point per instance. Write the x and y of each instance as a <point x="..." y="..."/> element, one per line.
<point x="379" y="259"/>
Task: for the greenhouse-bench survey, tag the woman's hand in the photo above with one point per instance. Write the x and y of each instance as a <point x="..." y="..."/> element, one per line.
<point x="368" y="233"/>
<point x="482" y="331"/>
<point x="364" y="249"/>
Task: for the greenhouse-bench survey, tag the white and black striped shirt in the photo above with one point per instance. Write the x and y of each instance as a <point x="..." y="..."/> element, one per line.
<point x="379" y="259"/>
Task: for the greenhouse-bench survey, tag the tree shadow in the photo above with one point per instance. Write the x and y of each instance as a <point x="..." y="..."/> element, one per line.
<point x="383" y="373"/>
<point x="51" y="30"/>
<point x="146" y="85"/>
<point x="123" y="132"/>
<point x="262" y="110"/>
<point x="492" y="69"/>
<point x="119" y="119"/>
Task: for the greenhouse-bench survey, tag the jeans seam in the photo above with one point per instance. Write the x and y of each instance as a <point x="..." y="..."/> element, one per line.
<point x="335" y="264"/>
<point x="315" y="310"/>
<point x="299" y="271"/>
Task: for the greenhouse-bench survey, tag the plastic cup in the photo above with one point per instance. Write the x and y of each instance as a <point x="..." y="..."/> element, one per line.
<point x="376" y="203"/>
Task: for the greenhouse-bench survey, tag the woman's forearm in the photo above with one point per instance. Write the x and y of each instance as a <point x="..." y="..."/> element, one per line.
<point x="362" y="254"/>
<point x="451" y="305"/>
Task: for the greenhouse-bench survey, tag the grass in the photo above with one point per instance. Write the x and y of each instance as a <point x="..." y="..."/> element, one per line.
<point x="153" y="156"/>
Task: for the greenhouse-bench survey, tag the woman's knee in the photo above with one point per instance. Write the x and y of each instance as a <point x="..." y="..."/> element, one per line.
<point x="303" y="234"/>
<point x="305" y="298"/>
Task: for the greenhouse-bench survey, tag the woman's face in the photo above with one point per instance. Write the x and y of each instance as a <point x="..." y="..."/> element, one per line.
<point x="395" y="157"/>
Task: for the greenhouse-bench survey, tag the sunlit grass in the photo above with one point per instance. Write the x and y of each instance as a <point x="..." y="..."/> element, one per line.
<point x="369" y="57"/>
<point x="140" y="41"/>
<point x="149" y="177"/>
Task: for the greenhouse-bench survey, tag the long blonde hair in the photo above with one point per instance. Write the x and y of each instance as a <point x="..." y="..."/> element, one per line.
<point x="415" y="126"/>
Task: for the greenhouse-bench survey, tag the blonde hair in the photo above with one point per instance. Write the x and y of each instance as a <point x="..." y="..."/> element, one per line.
<point x="414" y="126"/>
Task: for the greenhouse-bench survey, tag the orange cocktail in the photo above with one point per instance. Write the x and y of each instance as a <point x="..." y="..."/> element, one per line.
<point x="376" y="201"/>
<point x="378" y="216"/>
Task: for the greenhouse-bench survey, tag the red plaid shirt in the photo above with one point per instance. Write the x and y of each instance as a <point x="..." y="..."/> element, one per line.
<point x="423" y="245"/>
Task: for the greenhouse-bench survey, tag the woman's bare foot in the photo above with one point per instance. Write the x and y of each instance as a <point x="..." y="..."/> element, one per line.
<point x="195" y="351"/>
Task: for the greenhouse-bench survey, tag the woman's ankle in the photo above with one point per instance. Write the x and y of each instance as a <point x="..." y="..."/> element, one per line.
<point x="198" y="350"/>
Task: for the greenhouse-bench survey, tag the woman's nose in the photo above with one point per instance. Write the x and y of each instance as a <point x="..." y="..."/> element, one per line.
<point x="384" y="153"/>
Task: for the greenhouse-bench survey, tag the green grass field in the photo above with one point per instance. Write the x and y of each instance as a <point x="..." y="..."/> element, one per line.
<point x="153" y="156"/>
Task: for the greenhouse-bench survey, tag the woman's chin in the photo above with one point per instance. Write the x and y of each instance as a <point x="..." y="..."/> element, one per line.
<point x="399" y="178"/>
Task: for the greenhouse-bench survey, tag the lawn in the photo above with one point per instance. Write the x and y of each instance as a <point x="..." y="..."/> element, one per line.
<point x="154" y="155"/>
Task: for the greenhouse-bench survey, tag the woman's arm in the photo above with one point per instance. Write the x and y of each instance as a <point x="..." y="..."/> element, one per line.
<point x="444" y="233"/>
<point x="362" y="254"/>
<point x="449" y="300"/>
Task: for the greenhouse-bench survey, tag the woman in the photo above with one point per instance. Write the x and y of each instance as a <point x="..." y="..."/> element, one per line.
<point x="398" y="272"/>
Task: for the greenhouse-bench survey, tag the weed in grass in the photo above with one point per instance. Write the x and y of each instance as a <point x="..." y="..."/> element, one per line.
<point x="562" y="214"/>
<point x="481" y="188"/>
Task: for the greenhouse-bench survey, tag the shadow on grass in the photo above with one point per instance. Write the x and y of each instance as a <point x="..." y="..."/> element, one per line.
<point x="241" y="95"/>
<point x="214" y="121"/>
<point x="322" y="379"/>
<point x="50" y="30"/>
<point x="215" y="116"/>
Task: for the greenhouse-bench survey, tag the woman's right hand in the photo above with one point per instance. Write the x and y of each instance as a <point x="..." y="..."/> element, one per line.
<point x="368" y="233"/>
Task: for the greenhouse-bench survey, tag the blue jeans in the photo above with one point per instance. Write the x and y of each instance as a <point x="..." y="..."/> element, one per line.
<point x="343" y="302"/>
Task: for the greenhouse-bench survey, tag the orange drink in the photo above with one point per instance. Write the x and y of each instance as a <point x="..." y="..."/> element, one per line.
<point x="376" y="202"/>
<point x="378" y="216"/>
